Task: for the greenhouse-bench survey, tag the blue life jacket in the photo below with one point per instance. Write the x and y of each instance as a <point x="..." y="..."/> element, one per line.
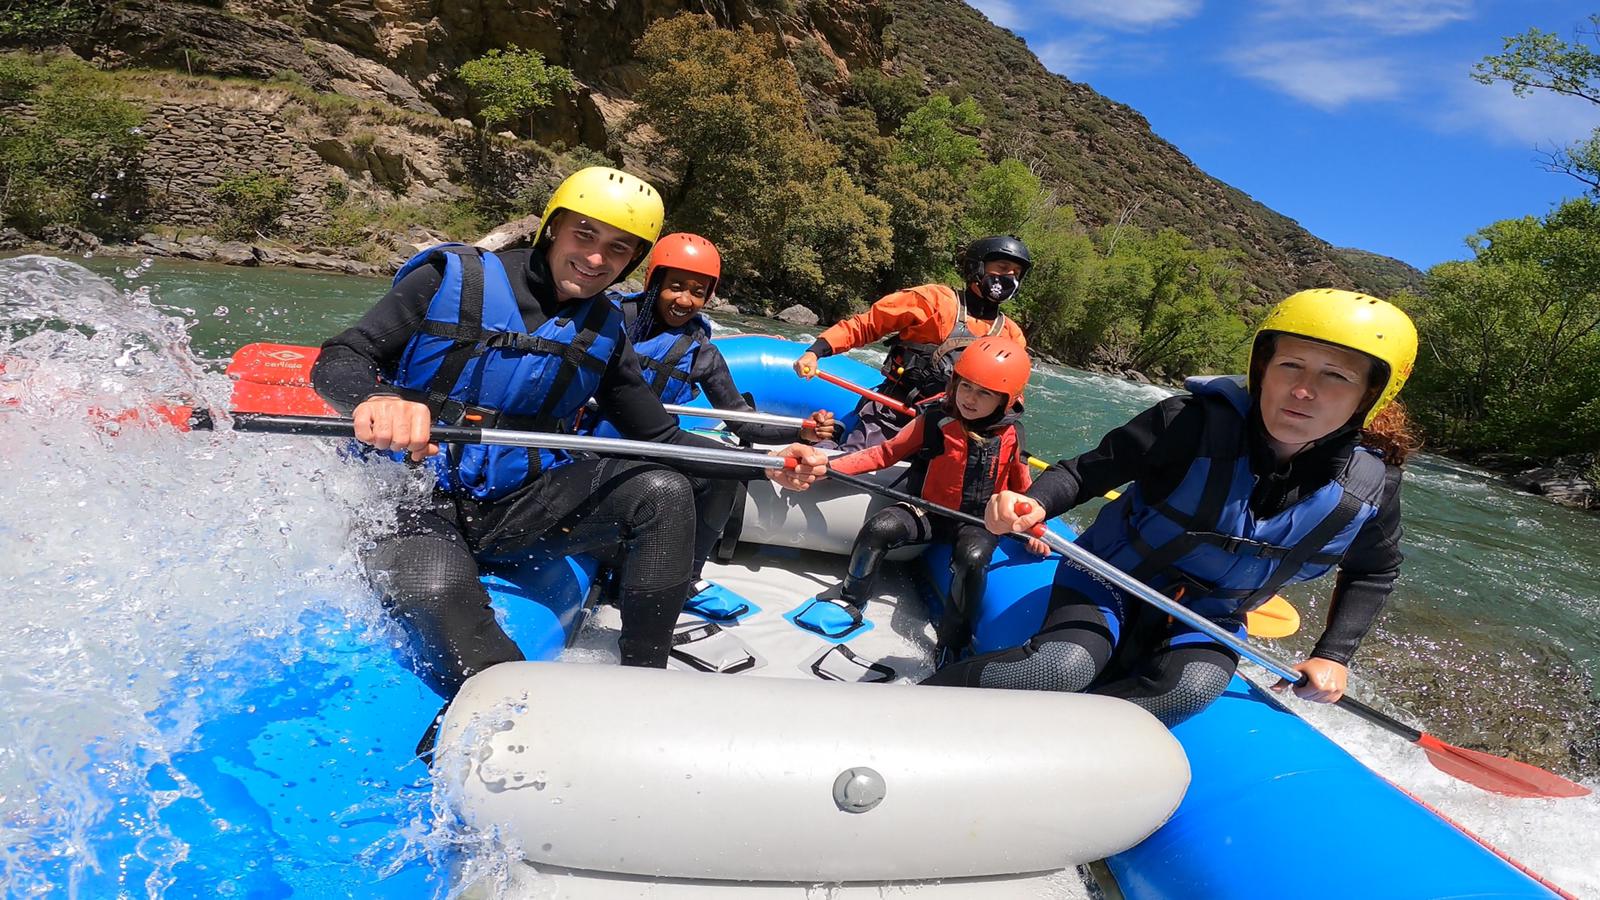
<point x="474" y="362"/>
<point x="1203" y="537"/>
<point x="665" y="359"/>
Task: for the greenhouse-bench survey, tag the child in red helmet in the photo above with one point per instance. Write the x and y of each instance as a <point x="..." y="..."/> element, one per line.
<point x="963" y="450"/>
<point x="672" y="340"/>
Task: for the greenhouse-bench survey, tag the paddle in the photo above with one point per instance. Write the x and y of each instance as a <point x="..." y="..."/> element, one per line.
<point x="880" y="399"/>
<point x="1483" y="770"/>
<point x="276" y="378"/>
<point x="324" y="426"/>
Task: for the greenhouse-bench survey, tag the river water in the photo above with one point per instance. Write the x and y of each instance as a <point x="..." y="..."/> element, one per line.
<point x="154" y="582"/>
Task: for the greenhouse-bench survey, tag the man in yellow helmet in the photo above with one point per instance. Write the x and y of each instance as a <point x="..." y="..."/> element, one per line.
<point x="522" y="339"/>
<point x="1238" y="488"/>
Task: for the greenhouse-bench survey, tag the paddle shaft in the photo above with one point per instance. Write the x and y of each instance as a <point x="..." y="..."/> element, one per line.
<point x="1099" y="566"/>
<point x="321" y="426"/>
<point x="874" y="396"/>
<point x="749" y="416"/>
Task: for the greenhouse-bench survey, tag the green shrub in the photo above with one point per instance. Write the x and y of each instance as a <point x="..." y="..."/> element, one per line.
<point x="75" y="161"/>
<point x="251" y="204"/>
<point x="38" y="23"/>
<point x="510" y="83"/>
<point x="336" y="109"/>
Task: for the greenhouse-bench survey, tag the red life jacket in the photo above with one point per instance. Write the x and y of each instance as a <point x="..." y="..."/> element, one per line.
<point x="959" y="473"/>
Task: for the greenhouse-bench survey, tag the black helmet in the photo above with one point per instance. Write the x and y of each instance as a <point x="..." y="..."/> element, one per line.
<point x="1000" y="246"/>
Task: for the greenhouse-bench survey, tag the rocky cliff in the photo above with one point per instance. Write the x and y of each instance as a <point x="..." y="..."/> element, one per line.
<point x="1101" y="156"/>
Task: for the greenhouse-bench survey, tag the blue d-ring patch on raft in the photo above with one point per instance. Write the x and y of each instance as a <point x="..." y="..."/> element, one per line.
<point x="715" y="603"/>
<point x="828" y="619"/>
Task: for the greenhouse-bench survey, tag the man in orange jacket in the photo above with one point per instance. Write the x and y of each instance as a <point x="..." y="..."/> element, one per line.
<point x="930" y="326"/>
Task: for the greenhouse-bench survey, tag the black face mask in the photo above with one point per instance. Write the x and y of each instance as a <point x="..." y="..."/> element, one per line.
<point x="998" y="288"/>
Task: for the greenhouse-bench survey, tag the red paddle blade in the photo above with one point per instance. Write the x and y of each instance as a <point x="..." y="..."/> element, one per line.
<point x="277" y="399"/>
<point x="1497" y="774"/>
<point x="273" y="364"/>
<point x="276" y="379"/>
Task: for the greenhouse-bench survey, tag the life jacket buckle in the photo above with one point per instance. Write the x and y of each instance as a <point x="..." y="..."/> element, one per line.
<point x="478" y="417"/>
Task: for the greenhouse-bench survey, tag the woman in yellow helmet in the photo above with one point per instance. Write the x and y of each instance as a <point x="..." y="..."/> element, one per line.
<point x="1239" y="487"/>
<point x="522" y="339"/>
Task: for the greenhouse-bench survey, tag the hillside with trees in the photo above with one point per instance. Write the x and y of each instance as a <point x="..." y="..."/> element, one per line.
<point x="834" y="151"/>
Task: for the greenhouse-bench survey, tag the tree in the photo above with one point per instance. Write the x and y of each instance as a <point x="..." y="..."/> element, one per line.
<point x="931" y="135"/>
<point x="510" y="83"/>
<point x="729" y="124"/>
<point x="1540" y="61"/>
<point x="1510" y="339"/>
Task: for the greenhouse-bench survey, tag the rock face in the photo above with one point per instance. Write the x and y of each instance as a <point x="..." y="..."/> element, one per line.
<point x="1099" y="155"/>
<point x="194" y="145"/>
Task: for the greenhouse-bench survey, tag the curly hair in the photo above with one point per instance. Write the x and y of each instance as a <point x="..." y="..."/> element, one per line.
<point x="1391" y="434"/>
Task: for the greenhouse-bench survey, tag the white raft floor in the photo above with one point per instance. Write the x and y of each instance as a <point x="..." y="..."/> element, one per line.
<point x="780" y="580"/>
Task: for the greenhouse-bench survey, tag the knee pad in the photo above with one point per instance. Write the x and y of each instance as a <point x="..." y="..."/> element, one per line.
<point x="887" y="529"/>
<point x="967" y="557"/>
<point x="1197" y="685"/>
<point x="653" y="494"/>
<point x="423" y="571"/>
<point x="1052" y="666"/>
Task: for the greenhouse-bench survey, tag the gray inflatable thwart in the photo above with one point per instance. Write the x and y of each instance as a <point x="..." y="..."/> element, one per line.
<point x="683" y="775"/>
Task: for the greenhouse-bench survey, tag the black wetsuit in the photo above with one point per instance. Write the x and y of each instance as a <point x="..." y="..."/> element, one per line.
<point x="714" y="497"/>
<point x="1075" y="651"/>
<point x="629" y="513"/>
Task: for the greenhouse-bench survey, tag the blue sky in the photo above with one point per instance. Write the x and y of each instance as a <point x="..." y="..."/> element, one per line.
<point x="1355" y="117"/>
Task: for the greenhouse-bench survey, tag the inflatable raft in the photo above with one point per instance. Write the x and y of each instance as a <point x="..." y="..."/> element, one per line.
<point x="768" y="762"/>
<point x="770" y="774"/>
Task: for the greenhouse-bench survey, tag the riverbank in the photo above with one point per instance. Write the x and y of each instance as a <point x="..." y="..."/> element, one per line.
<point x="1566" y="481"/>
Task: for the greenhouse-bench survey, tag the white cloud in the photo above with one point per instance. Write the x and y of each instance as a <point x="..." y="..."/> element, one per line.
<point x="1325" y="73"/>
<point x="1070" y="56"/>
<point x="1540" y="119"/>
<point x="1381" y="16"/>
<point x="1001" y="12"/>
<point x="1128" y="14"/>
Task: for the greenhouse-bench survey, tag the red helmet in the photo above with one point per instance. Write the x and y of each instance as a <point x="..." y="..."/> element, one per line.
<point x="997" y="363"/>
<point x="689" y="252"/>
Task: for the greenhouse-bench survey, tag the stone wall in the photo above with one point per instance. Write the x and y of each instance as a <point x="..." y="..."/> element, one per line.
<point x="193" y="146"/>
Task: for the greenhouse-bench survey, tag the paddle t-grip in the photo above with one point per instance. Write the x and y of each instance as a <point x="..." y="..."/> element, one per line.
<point x="1022" y="508"/>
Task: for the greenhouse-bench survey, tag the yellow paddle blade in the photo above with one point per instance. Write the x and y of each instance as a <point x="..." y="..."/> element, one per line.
<point x="1272" y="619"/>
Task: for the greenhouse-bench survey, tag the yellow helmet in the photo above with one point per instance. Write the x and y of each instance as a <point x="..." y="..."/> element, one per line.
<point x="1365" y="324"/>
<point x="613" y="197"/>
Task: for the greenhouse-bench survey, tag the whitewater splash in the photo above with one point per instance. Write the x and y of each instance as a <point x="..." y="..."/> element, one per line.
<point x="161" y="589"/>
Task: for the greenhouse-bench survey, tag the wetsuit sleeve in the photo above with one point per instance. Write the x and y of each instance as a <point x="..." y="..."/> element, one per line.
<point x="890" y="315"/>
<point x="635" y="409"/>
<point x="711" y="374"/>
<point x="1151" y="440"/>
<point x="1366" y="577"/>
<point x="885" y="454"/>
<point x="351" y="366"/>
